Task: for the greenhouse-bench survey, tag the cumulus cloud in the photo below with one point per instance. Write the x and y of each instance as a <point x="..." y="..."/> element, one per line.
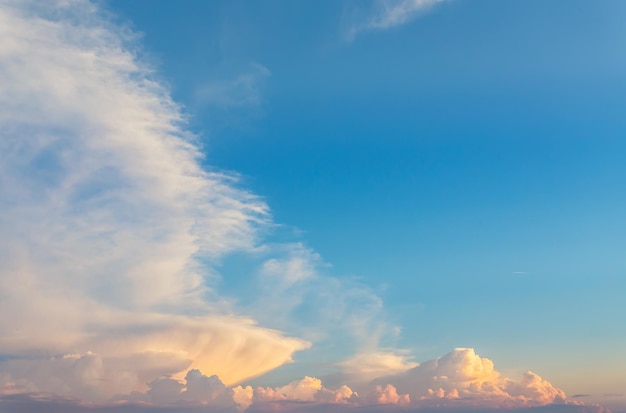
<point x="110" y="225"/>
<point x="462" y="375"/>
<point x="392" y="13"/>
<point x="196" y="389"/>
<point x="387" y="394"/>
<point x="460" y="381"/>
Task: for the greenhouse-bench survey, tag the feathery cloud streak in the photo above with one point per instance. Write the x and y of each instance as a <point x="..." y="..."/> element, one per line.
<point x="392" y="13"/>
<point x="105" y="214"/>
<point x="112" y="231"/>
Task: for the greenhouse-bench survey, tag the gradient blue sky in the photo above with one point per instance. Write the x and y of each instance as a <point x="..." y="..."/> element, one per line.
<point x="468" y="165"/>
<point x="453" y="178"/>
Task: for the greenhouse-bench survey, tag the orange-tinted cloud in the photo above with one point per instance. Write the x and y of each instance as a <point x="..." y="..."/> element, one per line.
<point x="462" y="376"/>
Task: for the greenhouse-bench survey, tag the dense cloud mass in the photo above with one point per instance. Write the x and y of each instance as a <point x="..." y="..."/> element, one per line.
<point x="458" y="381"/>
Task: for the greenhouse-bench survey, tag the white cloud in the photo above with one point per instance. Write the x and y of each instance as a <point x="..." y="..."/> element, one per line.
<point x="392" y="13"/>
<point x="295" y="293"/>
<point x="365" y="367"/>
<point x="112" y="229"/>
<point x="245" y="90"/>
<point x="300" y="265"/>
<point x="464" y="377"/>
<point x="460" y="381"/>
<point x="106" y="214"/>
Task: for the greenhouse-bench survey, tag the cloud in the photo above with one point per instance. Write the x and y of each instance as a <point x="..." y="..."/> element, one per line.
<point x="111" y="228"/>
<point x="365" y="367"/>
<point x="245" y="90"/>
<point x="300" y="265"/>
<point x="463" y="376"/>
<point x="458" y="382"/>
<point x="392" y="13"/>
<point x="293" y="291"/>
<point x="113" y="233"/>
<point x="195" y="389"/>
<point x="388" y="395"/>
<point x="126" y="361"/>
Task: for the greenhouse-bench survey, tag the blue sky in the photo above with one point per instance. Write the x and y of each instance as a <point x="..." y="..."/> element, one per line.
<point x="468" y="164"/>
<point x="354" y="186"/>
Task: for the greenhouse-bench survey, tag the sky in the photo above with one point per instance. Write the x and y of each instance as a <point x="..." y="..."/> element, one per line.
<point x="305" y="206"/>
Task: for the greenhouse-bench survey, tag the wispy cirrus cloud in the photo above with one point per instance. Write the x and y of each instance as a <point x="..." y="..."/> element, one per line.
<point x="113" y="232"/>
<point x="244" y="90"/>
<point x="386" y="14"/>
<point x="111" y="228"/>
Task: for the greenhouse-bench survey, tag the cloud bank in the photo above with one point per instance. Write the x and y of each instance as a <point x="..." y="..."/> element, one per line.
<point x="460" y="381"/>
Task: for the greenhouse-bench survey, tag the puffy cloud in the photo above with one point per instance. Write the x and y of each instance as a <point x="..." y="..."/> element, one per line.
<point x="304" y="389"/>
<point x="465" y="377"/>
<point x="112" y="229"/>
<point x="307" y="389"/>
<point x="195" y="389"/>
<point x="311" y="389"/>
<point x="242" y="396"/>
<point x="387" y="394"/>
<point x="460" y="381"/>
<point x="534" y="389"/>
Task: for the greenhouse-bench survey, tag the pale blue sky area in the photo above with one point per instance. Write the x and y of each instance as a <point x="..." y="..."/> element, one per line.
<point x="467" y="165"/>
